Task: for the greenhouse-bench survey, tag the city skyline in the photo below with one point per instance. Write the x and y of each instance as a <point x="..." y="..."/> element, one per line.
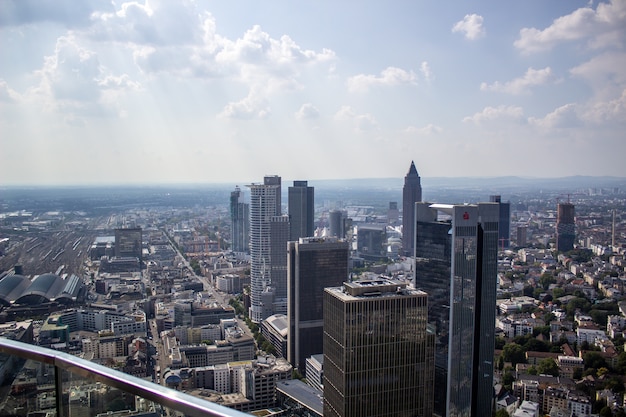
<point x="133" y="93"/>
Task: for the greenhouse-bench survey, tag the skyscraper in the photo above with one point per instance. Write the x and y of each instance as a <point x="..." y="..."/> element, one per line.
<point x="411" y="194"/>
<point x="239" y="221"/>
<point x="456" y="265"/>
<point x="565" y="227"/>
<point x="313" y="264"/>
<point x="504" y="226"/>
<point x="301" y="210"/>
<point x="265" y="203"/>
<point x="378" y="350"/>
<point x="279" y="236"/>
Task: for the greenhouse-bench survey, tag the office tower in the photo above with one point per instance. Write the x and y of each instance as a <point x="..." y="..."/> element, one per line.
<point x="504" y="225"/>
<point x="456" y="249"/>
<point x="239" y="221"/>
<point x="264" y="205"/>
<point x="372" y="241"/>
<point x="313" y="264"/>
<point x="378" y="350"/>
<point x="279" y="236"/>
<point x="393" y="214"/>
<point x="128" y="242"/>
<point x="301" y="210"/>
<point x="337" y="223"/>
<point x="522" y="236"/>
<point x="411" y="194"/>
<point x="565" y="227"/>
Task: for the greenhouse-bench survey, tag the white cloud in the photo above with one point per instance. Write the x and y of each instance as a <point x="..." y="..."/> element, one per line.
<point x="7" y="94"/>
<point x="251" y="107"/>
<point x="604" y="26"/>
<point x="426" y="71"/>
<point x="360" y="122"/>
<point x="561" y="118"/>
<point x="520" y="85"/>
<point x="391" y="76"/>
<point x="607" y="69"/>
<point x="608" y="111"/>
<point x="307" y="111"/>
<point x="429" y="129"/>
<point x="471" y="26"/>
<point x="496" y="114"/>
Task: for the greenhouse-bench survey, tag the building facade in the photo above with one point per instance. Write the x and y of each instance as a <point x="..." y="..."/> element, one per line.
<point x="301" y="210"/>
<point x="411" y="194"/>
<point x="378" y="350"/>
<point x="565" y="227"/>
<point x="504" y="225"/>
<point x="128" y="242"/>
<point x="456" y="249"/>
<point x="239" y="221"/>
<point x="265" y="203"/>
<point x="313" y="264"/>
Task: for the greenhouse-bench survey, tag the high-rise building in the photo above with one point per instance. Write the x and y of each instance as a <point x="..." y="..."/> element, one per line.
<point x="279" y="236"/>
<point x="265" y="204"/>
<point x="378" y="350"/>
<point x="372" y="241"/>
<point x="522" y="236"/>
<point x="313" y="264"/>
<point x="301" y="210"/>
<point x="504" y="225"/>
<point x="411" y="194"/>
<point x="128" y="242"/>
<point x="456" y="248"/>
<point x="565" y="227"/>
<point x="239" y="221"/>
<point x="337" y="223"/>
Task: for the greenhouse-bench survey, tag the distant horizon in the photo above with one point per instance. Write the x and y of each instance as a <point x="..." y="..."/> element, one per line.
<point x="287" y="181"/>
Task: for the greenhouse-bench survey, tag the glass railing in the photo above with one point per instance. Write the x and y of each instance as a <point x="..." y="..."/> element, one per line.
<point x="37" y="381"/>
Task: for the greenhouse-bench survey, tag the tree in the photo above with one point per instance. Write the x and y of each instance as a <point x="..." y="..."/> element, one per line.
<point x="502" y="413"/>
<point x="548" y="366"/>
<point x="514" y="353"/>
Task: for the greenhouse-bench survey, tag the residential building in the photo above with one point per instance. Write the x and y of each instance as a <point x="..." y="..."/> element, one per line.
<point x="265" y="204"/>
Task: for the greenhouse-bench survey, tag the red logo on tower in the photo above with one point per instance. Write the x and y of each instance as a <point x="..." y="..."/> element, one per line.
<point x="466" y="216"/>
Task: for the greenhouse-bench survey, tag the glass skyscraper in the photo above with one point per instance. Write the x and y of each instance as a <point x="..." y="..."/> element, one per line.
<point x="239" y="221"/>
<point x="378" y="350"/>
<point x="313" y="264"/>
<point x="301" y="209"/>
<point x="456" y="249"/>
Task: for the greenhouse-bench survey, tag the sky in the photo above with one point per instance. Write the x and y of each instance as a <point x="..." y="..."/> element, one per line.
<point x="149" y="92"/>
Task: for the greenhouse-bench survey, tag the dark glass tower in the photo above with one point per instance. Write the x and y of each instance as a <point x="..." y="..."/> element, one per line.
<point x="504" y="227"/>
<point x="239" y="221"/>
<point x="565" y="227"/>
<point x="378" y="350"/>
<point x="128" y="242"/>
<point x="313" y="264"/>
<point x="411" y="194"/>
<point x="301" y="210"/>
<point x="456" y="265"/>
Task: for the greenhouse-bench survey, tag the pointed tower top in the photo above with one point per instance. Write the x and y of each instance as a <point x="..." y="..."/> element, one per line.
<point x="412" y="170"/>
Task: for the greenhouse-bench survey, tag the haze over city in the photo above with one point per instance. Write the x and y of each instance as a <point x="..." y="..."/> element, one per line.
<point x="102" y="92"/>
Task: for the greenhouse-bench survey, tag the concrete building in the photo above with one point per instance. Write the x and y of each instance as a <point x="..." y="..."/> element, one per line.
<point x="265" y="204"/>
<point x="378" y="350"/>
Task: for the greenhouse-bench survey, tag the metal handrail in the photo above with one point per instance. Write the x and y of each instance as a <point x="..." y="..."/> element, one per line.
<point x="176" y="400"/>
